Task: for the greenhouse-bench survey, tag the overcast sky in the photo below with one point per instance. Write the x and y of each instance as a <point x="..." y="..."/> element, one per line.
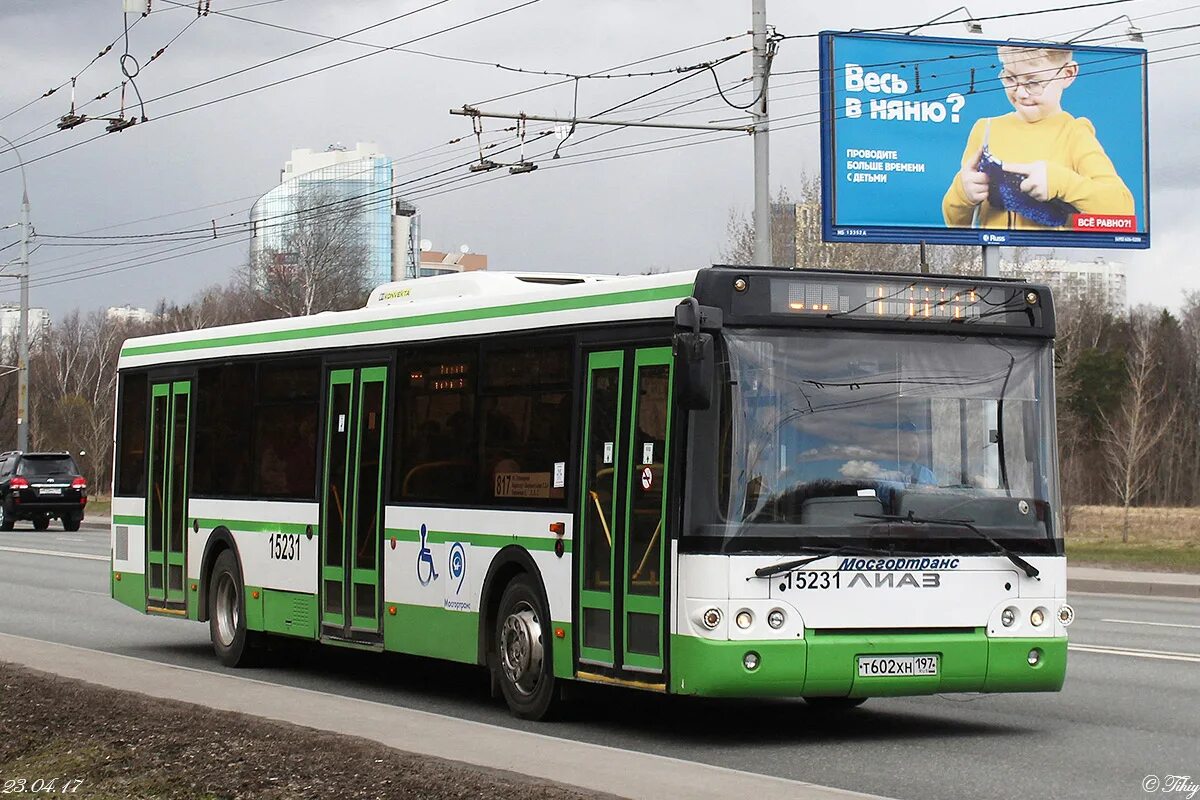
<point x="663" y="210"/>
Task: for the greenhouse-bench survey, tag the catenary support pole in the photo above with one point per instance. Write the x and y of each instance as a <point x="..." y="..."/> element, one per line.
<point x="23" y="333"/>
<point x="23" y="324"/>
<point x="762" y="186"/>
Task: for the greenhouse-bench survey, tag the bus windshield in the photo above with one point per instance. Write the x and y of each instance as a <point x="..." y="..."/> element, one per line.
<point x="834" y="434"/>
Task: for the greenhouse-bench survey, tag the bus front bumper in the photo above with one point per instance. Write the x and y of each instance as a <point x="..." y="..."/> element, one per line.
<point x="826" y="665"/>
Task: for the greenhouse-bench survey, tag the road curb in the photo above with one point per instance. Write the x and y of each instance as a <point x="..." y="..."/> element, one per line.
<point x="1142" y="588"/>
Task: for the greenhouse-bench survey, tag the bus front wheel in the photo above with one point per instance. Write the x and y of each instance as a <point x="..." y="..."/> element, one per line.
<point x="234" y="645"/>
<point x="521" y="651"/>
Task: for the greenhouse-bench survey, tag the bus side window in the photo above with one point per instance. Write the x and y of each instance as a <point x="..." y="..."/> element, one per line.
<point x="134" y="417"/>
<point x="434" y="452"/>
<point x="285" y="430"/>
<point x="224" y="428"/>
<point x="526" y="413"/>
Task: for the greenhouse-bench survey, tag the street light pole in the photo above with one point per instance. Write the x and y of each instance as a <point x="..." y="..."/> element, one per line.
<point x="23" y="329"/>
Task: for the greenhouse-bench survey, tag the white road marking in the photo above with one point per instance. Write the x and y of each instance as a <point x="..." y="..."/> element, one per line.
<point x="71" y="539"/>
<point x="1122" y="651"/>
<point x="57" y="553"/>
<point x="1158" y="624"/>
<point x="85" y="591"/>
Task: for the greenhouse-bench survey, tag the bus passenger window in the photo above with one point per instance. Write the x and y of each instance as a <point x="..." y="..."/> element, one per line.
<point x="131" y="460"/>
<point x="434" y="435"/>
<point x="526" y="415"/>
<point x="221" y="464"/>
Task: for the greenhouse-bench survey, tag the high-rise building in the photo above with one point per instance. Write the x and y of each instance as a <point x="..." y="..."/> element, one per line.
<point x="337" y="180"/>
<point x="128" y="313"/>
<point x="1099" y="280"/>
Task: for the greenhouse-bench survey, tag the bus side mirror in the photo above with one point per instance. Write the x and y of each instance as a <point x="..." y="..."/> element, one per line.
<point x="695" y="363"/>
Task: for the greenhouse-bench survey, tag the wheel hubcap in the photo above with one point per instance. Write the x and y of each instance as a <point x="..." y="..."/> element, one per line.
<point x="521" y="651"/>
<point x="228" y="612"/>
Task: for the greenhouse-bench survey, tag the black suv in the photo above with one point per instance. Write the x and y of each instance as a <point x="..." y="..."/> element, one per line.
<point x="40" y="487"/>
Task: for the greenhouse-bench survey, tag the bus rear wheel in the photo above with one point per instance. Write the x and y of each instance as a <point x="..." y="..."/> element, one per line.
<point x="521" y="651"/>
<point x="233" y="644"/>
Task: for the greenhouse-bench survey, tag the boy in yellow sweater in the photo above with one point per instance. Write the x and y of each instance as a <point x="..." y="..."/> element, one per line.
<point x="1055" y="156"/>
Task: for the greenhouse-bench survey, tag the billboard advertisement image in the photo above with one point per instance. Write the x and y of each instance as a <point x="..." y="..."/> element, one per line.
<point x="957" y="141"/>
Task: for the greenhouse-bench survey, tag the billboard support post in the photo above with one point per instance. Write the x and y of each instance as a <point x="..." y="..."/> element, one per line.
<point x="991" y="261"/>
<point x="762" y="186"/>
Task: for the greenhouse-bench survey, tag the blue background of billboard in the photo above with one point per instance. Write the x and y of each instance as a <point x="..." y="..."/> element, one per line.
<point x="1109" y="91"/>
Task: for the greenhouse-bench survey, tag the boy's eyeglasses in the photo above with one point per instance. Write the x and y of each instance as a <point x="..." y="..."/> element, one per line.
<point x="1034" y="88"/>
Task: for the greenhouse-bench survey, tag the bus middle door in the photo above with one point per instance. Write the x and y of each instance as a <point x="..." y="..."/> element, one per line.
<point x="352" y="504"/>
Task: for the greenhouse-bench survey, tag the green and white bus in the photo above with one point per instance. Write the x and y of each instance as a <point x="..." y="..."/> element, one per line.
<point x="725" y="482"/>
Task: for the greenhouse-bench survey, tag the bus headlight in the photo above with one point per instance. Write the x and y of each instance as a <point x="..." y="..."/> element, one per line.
<point x="1037" y="617"/>
<point x="712" y="618"/>
<point x="744" y="619"/>
<point x="1008" y="617"/>
<point x="750" y="661"/>
<point x="1066" y="615"/>
<point x="1034" y="657"/>
<point x="776" y="618"/>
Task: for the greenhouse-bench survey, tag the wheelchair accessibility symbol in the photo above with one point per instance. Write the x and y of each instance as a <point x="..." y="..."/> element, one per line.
<point x="426" y="573"/>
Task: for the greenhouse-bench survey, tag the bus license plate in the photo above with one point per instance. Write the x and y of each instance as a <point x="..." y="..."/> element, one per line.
<point x="881" y="666"/>
<point x="55" y="490"/>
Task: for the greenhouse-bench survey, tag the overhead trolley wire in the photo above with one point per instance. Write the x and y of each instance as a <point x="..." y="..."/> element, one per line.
<point x="272" y="84"/>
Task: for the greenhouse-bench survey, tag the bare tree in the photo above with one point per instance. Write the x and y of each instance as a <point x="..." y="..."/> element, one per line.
<point x="1130" y="435"/>
<point x="73" y="385"/>
<point x="217" y="305"/>
<point x="315" y="262"/>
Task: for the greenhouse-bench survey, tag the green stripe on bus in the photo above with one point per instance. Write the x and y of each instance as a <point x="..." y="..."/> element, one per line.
<point x="441" y="318"/>
<point x="496" y="540"/>
<point x="128" y="519"/>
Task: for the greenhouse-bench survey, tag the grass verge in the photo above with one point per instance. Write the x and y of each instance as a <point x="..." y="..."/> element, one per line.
<point x="1149" y="557"/>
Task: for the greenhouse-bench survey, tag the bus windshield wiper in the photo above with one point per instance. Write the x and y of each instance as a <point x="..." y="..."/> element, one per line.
<point x="826" y="552"/>
<point x="1026" y="567"/>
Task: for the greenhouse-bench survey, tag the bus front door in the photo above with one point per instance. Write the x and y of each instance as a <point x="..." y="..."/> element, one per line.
<point x="166" y="502"/>
<point x="352" y="504"/>
<point x="623" y="514"/>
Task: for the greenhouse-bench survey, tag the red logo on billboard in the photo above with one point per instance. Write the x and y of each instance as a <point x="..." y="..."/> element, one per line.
<point x="1124" y="223"/>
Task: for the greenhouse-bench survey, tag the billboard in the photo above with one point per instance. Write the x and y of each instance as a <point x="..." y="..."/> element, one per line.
<point x="957" y="141"/>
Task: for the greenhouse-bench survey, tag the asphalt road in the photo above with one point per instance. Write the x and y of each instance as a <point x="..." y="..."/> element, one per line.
<point x="1131" y="706"/>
